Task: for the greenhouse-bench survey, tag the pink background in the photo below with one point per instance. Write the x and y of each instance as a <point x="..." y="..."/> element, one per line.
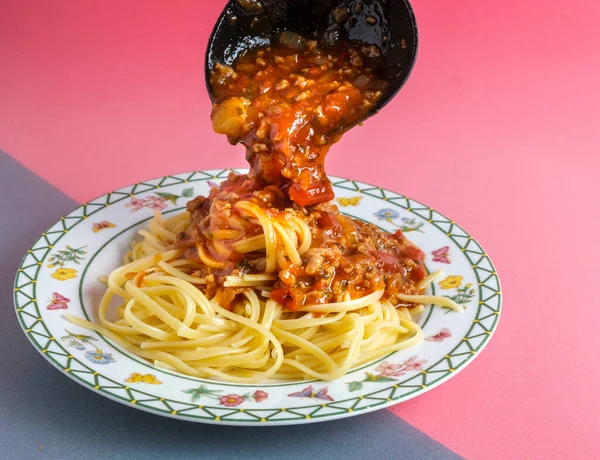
<point x="497" y="128"/>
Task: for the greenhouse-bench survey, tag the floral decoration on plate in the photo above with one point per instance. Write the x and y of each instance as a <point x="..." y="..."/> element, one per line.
<point x="229" y="400"/>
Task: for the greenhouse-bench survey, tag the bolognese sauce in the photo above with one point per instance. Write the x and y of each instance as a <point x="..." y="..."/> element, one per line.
<point x="288" y="106"/>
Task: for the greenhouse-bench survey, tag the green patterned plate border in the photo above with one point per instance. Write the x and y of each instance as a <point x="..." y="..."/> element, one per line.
<point x="206" y="403"/>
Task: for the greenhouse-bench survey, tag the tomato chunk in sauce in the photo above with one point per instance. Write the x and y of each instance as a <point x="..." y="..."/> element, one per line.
<point x="288" y="106"/>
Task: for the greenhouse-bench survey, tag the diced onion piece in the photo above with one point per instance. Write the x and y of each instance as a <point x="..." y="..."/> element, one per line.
<point x="229" y="116"/>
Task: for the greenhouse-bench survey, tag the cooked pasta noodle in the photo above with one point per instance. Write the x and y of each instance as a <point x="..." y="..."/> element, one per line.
<point x="165" y="317"/>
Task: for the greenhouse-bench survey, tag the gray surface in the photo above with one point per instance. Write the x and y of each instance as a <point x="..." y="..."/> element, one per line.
<point x="42" y="407"/>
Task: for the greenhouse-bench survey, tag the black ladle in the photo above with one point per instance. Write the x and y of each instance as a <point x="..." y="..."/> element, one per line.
<point x="388" y="24"/>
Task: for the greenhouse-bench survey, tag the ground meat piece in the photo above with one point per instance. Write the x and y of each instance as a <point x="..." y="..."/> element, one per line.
<point x="287" y="276"/>
<point x="196" y="203"/>
<point x="314" y="260"/>
<point x="270" y="196"/>
<point x="317" y="260"/>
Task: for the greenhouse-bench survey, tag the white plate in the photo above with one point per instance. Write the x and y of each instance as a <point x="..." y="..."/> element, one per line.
<point x="59" y="274"/>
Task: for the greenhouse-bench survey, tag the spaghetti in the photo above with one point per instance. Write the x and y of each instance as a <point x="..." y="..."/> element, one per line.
<point x="264" y="279"/>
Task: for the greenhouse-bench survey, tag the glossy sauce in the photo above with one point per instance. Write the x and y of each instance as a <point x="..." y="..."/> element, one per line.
<point x="288" y="106"/>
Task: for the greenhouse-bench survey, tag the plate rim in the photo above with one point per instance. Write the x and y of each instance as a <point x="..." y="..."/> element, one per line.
<point x="219" y="174"/>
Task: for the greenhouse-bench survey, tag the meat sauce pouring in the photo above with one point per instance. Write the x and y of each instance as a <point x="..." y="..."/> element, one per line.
<point x="288" y="106"/>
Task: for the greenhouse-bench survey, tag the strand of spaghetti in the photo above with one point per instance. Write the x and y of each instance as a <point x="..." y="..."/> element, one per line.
<point x="240" y="337"/>
<point x="215" y="323"/>
<point x="389" y="325"/>
<point x="403" y="312"/>
<point x="242" y="342"/>
<point x="187" y="313"/>
<point x="195" y="293"/>
<point x="254" y="304"/>
<point x="350" y="305"/>
<point x="254" y="299"/>
<point x="289" y="324"/>
<point x="157" y="227"/>
<point x="117" y="277"/>
<point x="371" y="313"/>
<point x="354" y="349"/>
<point x="183" y="344"/>
<point x="201" y="353"/>
<point x="260" y="263"/>
<point x="288" y="244"/>
<point x="254" y="243"/>
<point x="166" y="358"/>
<point x="192" y="314"/>
<point x="219" y="248"/>
<point x="431" y="299"/>
<point x="142" y="314"/>
<point x="248" y="280"/>
<point x="152" y="240"/>
<point x="141" y="326"/>
<point x="376" y="338"/>
<point x="203" y="329"/>
<point x="234" y="372"/>
<point x="303" y="230"/>
<point x="239" y="376"/>
<point x="267" y="333"/>
<point x="351" y="354"/>
<point x="225" y="234"/>
<point x="253" y="365"/>
<point x="189" y="308"/>
<point x="391" y="311"/>
<point x="237" y="222"/>
<point x="268" y="230"/>
<point x="416" y="311"/>
<point x="253" y="357"/>
<point x="333" y="340"/>
<point x="184" y="263"/>
<point x="160" y="292"/>
<point x="168" y="268"/>
<point x="134" y="339"/>
<point x="308" y="333"/>
<point x="172" y="224"/>
<point x="139" y="295"/>
<point x="382" y="340"/>
<point x="306" y="346"/>
<point x="259" y="277"/>
<point x="136" y="253"/>
<point x="271" y="312"/>
<point x="329" y="339"/>
<point x="197" y="341"/>
<point x="101" y="330"/>
<point x="127" y="258"/>
<point x="177" y="223"/>
<point x="333" y="330"/>
<point x="158" y="218"/>
<point x="290" y="229"/>
<point x="393" y="322"/>
<point x="429" y="280"/>
<point x="104" y="303"/>
<point x="206" y="259"/>
<point x="381" y="351"/>
<point x="281" y="257"/>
